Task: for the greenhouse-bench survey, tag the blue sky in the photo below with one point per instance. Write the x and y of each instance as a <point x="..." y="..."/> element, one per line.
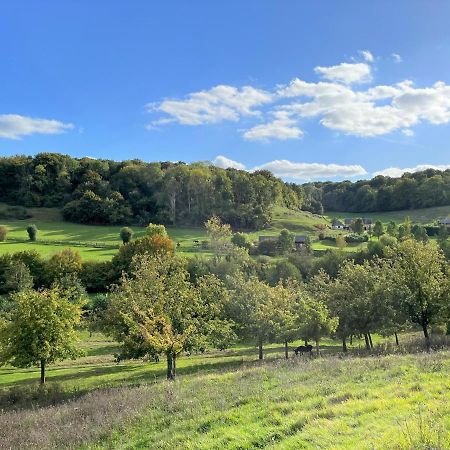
<point x="308" y="89"/>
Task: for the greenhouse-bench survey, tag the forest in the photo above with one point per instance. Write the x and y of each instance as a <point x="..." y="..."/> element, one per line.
<point x="95" y="191"/>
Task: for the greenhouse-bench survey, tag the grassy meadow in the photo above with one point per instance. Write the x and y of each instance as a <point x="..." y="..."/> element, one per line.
<point x="229" y="400"/>
<point x="101" y="242"/>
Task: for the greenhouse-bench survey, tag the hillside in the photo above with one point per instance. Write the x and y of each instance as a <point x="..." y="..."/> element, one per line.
<point x="227" y="400"/>
<point x="100" y="242"/>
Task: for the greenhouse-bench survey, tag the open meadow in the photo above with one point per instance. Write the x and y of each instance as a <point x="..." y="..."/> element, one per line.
<point x="228" y="400"/>
<point x="100" y="242"/>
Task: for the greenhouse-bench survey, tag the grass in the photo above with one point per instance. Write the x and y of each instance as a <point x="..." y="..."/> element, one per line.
<point x="424" y="216"/>
<point x="229" y="400"/>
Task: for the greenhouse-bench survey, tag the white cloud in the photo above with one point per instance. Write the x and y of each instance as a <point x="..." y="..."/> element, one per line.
<point x="225" y="163"/>
<point x="346" y="73"/>
<point x="307" y="171"/>
<point x="218" y="104"/>
<point x="395" y="172"/>
<point x="14" y="126"/>
<point x="336" y="102"/>
<point x="366" y="55"/>
<point x="281" y="128"/>
<point x="397" y="58"/>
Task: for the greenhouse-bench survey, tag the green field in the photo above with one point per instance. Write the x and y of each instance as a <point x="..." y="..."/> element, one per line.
<point x="101" y="242"/>
<point x="424" y="216"/>
<point x="229" y="400"/>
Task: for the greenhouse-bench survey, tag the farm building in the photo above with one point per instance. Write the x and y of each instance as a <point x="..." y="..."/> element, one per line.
<point x="336" y="224"/>
<point x="445" y="222"/>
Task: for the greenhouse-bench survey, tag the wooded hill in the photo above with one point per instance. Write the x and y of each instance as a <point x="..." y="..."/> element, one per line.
<point x="108" y="192"/>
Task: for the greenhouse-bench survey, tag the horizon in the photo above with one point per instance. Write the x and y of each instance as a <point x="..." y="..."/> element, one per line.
<point x="309" y="92"/>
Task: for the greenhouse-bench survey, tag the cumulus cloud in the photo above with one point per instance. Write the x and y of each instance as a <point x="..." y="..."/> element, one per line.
<point x="396" y="57"/>
<point x="281" y="128"/>
<point x="395" y="172"/>
<point x="346" y="73"/>
<point x="367" y="55"/>
<point x="297" y="171"/>
<point x="14" y="126"/>
<point x="218" y="104"/>
<point x="338" y="102"/>
<point x="307" y="171"/>
<point x="226" y="163"/>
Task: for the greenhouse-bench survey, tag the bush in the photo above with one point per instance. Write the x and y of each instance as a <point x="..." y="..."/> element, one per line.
<point x="15" y="212"/>
<point x="3" y="233"/>
<point x="241" y="240"/>
<point x="268" y="247"/>
<point x="356" y="238"/>
<point x="32" y="232"/>
<point x="126" y="234"/>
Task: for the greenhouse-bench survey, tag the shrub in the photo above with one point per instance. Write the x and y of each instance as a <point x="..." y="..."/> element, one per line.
<point x="126" y="234"/>
<point x="356" y="238"/>
<point x="3" y="233"/>
<point x="240" y="240"/>
<point x="268" y="247"/>
<point x="32" y="232"/>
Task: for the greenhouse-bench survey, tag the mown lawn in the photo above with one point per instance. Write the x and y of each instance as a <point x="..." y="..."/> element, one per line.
<point x="229" y="400"/>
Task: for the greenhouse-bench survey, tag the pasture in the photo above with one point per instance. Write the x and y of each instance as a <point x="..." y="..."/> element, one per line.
<point x="229" y="400"/>
<point x="100" y="242"/>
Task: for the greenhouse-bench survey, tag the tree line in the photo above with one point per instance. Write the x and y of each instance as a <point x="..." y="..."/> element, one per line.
<point x="165" y="305"/>
<point x="412" y="190"/>
<point x="108" y="192"/>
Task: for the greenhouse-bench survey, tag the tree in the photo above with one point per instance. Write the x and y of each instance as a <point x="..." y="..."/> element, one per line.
<point x="419" y="271"/>
<point x="378" y="229"/>
<point x="341" y="243"/>
<point x="156" y="230"/>
<point x="220" y="237"/>
<point x="358" y="226"/>
<point x="419" y="233"/>
<point x="40" y="329"/>
<point x="18" y="277"/>
<point x="404" y="230"/>
<point x="442" y="233"/>
<point x="260" y="311"/>
<point x="64" y="263"/>
<point x="286" y="241"/>
<point x="315" y="321"/>
<point x="158" y="311"/>
<point x="3" y="233"/>
<point x="126" y="235"/>
<point x="32" y="232"/>
<point x="241" y="240"/>
<point x="391" y="229"/>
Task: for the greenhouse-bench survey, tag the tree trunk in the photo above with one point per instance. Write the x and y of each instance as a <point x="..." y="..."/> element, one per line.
<point x="351" y="339"/>
<point x="344" y="345"/>
<point x="396" y="338"/>
<point x="366" y="338"/>
<point x="286" y="350"/>
<point x="260" y="348"/>
<point x="370" y="340"/>
<point x="171" y="365"/>
<point x="426" y="335"/>
<point x="317" y="347"/>
<point x="306" y="342"/>
<point x="42" y="371"/>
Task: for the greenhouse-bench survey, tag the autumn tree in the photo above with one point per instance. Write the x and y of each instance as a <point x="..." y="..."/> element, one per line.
<point x="158" y="311"/>
<point x="39" y="330"/>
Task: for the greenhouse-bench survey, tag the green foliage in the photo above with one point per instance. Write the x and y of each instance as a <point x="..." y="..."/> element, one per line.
<point x="355" y="238"/>
<point x="32" y="232"/>
<point x="17" y="278"/>
<point x="156" y="230"/>
<point x="358" y="226"/>
<point x="391" y="228"/>
<point x="64" y="263"/>
<point x="285" y="241"/>
<point x="443" y="233"/>
<point x="341" y="242"/>
<point x="3" y="233"/>
<point x="39" y="330"/>
<point x="158" y="311"/>
<point x="378" y="229"/>
<point x="126" y="234"/>
<point x="241" y="240"/>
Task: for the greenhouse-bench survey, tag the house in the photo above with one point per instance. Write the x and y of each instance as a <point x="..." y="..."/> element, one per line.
<point x="445" y="222"/>
<point x="300" y="242"/>
<point x="336" y="224"/>
<point x="367" y="223"/>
